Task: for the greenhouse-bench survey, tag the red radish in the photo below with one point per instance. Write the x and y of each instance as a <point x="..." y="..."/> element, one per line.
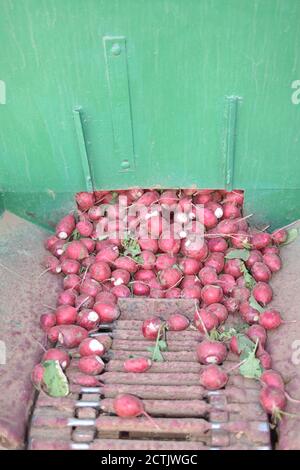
<point x="106" y="298"/>
<point x="140" y="289"/>
<point x="137" y="364"/>
<point x="169" y="245"/>
<point x="174" y="293"/>
<point x="217" y="245"/>
<point x="148" y="198"/>
<point x="227" y="227"/>
<point x="108" y="312"/>
<point x="191" y="292"/>
<point x="102" y="244"/>
<point x="195" y="248"/>
<point x="129" y="406"/>
<point x="144" y="275"/>
<point x="70" y="266"/>
<point x="177" y="322"/>
<point x="66" y="315"/>
<point x="233" y="267"/>
<point x="216" y="208"/>
<point x="273" y="262"/>
<point x="219" y="310"/>
<point x="170" y="277"/>
<point x="254" y="257"/>
<point x="231" y="211"/>
<point x="260" y="240"/>
<point x="240" y="240"/>
<point x="208" y="275"/>
<point x="88" y="319"/>
<point x="270" y="319"/>
<point x="121" y="291"/>
<point x="249" y="314"/>
<point x="241" y="282"/>
<point x="50" y="242"/>
<point x="67" y="297"/>
<point x="241" y="294"/>
<point x="127" y="263"/>
<point x="149" y="244"/>
<point x="209" y="218"/>
<point x="84" y="228"/>
<point x="69" y="336"/>
<point x="202" y="198"/>
<point x="89" y="244"/>
<point x="279" y="236"/>
<point x="271" y="378"/>
<point x="227" y="282"/>
<point x="37" y="376"/>
<point x="216" y="261"/>
<point x="211" y="294"/>
<point x="91" y="365"/>
<point x="47" y="321"/>
<point x="265" y="359"/>
<point x="261" y="272"/>
<point x="95" y="212"/>
<point x="90" y="287"/>
<point x="257" y="332"/>
<point x="234" y="346"/>
<point x="87" y="262"/>
<point x="272" y="400"/>
<point x="85" y="200"/>
<point x="168" y="198"/>
<point x="213" y="377"/>
<point x="211" y="352"/>
<point x="76" y="250"/>
<point x="57" y="354"/>
<point x="84" y="301"/>
<point x="155" y="224"/>
<point x="205" y="321"/>
<point x="148" y="259"/>
<point x="262" y="292"/>
<point x="108" y="254"/>
<point x="90" y="347"/>
<point x="58" y="248"/>
<point x="151" y="327"/>
<point x="135" y="193"/>
<point x="190" y="281"/>
<point x="52" y="264"/>
<point x="189" y="266"/>
<point x="164" y="261"/>
<point x="231" y="304"/>
<point x="83" y="379"/>
<point x="119" y="277"/>
<point x="72" y="281"/>
<point x="100" y="271"/>
<point x="65" y="227"/>
<point x="236" y="197"/>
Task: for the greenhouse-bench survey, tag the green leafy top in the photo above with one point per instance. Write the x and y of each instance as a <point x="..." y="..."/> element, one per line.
<point x="55" y="382"/>
<point x="249" y="280"/>
<point x="254" y="304"/>
<point x="292" y="234"/>
<point x="242" y="254"/>
<point x="251" y="367"/>
<point x="160" y="345"/>
<point x="131" y="247"/>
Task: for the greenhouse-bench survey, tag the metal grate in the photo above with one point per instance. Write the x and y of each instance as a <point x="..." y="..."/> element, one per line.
<point x="188" y="416"/>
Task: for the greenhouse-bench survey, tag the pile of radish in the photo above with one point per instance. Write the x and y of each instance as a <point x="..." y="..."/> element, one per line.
<point x="170" y="251"/>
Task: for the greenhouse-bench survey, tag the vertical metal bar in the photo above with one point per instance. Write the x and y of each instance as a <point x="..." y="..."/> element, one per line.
<point x="230" y="139"/>
<point x="118" y="85"/>
<point x="83" y="151"/>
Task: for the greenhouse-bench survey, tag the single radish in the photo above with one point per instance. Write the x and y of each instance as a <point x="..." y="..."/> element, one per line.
<point x="260" y="240"/>
<point x="208" y="275"/>
<point x="227" y="282"/>
<point x="108" y="254"/>
<point x="144" y="275"/>
<point x="211" y="294"/>
<point x="90" y="347"/>
<point x="89" y="244"/>
<point x="261" y="272"/>
<point x="151" y="327"/>
<point x="69" y="336"/>
<point x="231" y="211"/>
<point x="279" y="236"/>
<point x="66" y="315"/>
<point x="90" y="287"/>
<point x="84" y="301"/>
<point x="84" y="380"/>
<point x="240" y="240"/>
<point x="70" y="266"/>
<point x="205" y="321"/>
<point x="227" y="227"/>
<point x="241" y="294"/>
<point x="191" y="292"/>
<point x="233" y="267"/>
<point x="213" y="377"/>
<point x="121" y="291"/>
<point x="271" y="378"/>
<point x="50" y="241"/>
<point x="219" y="310"/>
<point x="263" y="293"/>
<point x="149" y="244"/>
<point x="85" y="200"/>
<point x="67" y="297"/>
<point x="231" y="304"/>
<point x="270" y="319"/>
<point x="177" y="322"/>
<point x="273" y="401"/>
<point x="106" y="298"/>
<point x="65" y="227"/>
<point x="211" y="352"/>
<point x="37" y="376"/>
<point x="170" y="245"/>
<point x="130" y="406"/>
<point x="52" y="264"/>
<point x="249" y="314"/>
<point x="88" y="319"/>
<point x="57" y="354"/>
<point x="265" y="359"/>
<point x="189" y="265"/>
<point x="170" y="277"/>
<point x="100" y="271"/>
<point x="91" y="365"/>
<point x="72" y="281"/>
<point x="137" y="364"/>
<point x="216" y="261"/>
<point x="108" y="313"/>
<point x="58" y="248"/>
<point x="47" y="321"/>
<point x="217" y="245"/>
<point x="254" y="257"/>
<point x="257" y="333"/>
<point x="76" y="250"/>
<point x="141" y="289"/>
<point x="84" y="228"/>
<point x="273" y="262"/>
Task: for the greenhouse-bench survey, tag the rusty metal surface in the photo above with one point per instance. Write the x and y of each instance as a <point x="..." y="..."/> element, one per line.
<point x="186" y="416"/>
<point x="284" y="343"/>
<point x="22" y="296"/>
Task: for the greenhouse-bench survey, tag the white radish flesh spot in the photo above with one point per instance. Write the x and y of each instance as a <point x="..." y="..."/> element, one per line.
<point x="62" y="235"/>
<point x="93" y="316"/>
<point x="219" y="212"/>
<point x="118" y="282"/>
<point x="64" y="364"/>
<point x="211" y="360"/>
<point x="96" y="346"/>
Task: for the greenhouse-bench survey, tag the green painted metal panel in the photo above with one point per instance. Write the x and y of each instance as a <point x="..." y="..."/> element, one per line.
<point x="203" y="92"/>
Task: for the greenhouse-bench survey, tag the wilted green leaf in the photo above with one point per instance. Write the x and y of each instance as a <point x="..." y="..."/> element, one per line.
<point x="245" y="344"/>
<point x="251" y="368"/>
<point x="292" y="235"/>
<point x="254" y="304"/>
<point x="249" y="280"/>
<point x="55" y="381"/>
<point x="238" y="254"/>
<point x="131" y="247"/>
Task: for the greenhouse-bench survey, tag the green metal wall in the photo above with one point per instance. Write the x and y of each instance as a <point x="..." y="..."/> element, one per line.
<point x="150" y="92"/>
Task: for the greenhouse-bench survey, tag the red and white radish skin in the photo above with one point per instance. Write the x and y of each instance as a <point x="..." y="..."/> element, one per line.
<point x="69" y="336"/>
<point x="279" y="236"/>
<point x="137" y="364"/>
<point x="219" y="310"/>
<point x="261" y="240"/>
<point x="100" y="271"/>
<point x="76" y="250"/>
<point x="65" y="227"/>
<point x="211" y="294"/>
<point x="151" y="327"/>
<point x="91" y="365"/>
<point x="85" y="200"/>
<point x="188" y="265"/>
<point x="270" y="319"/>
<point x="72" y="281"/>
<point x="205" y="321"/>
<point x="177" y="322"/>
<point x="91" y="347"/>
<point x="261" y="272"/>
<point x="141" y="289"/>
<point x="88" y="319"/>
<point x="273" y="400"/>
<point x="90" y="287"/>
<point x="273" y="262"/>
<point x="213" y="377"/>
<point x="47" y="321"/>
<point x="66" y="315"/>
<point x="271" y="378"/>
<point x="120" y="277"/>
<point x="257" y="332"/>
<point x="70" y="266"/>
<point x="58" y="354"/>
<point x="108" y="313"/>
<point x="263" y="293"/>
<point x="211" y="352"/>
<point x="208" y="275"/>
